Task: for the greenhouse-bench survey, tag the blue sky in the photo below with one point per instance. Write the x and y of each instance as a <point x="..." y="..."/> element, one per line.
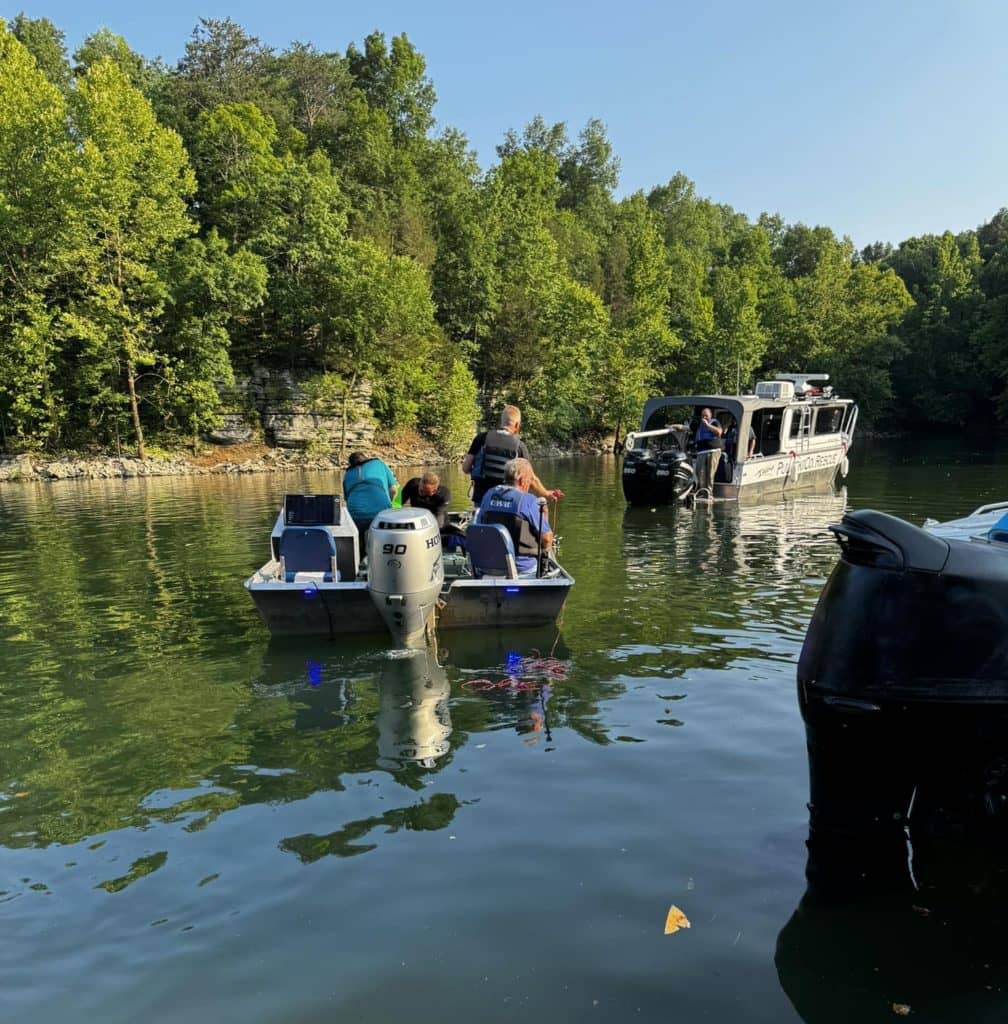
<point x="880" y="119"/>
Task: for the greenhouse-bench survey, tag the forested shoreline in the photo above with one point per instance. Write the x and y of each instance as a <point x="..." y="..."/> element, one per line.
<point x="166" y="230"/>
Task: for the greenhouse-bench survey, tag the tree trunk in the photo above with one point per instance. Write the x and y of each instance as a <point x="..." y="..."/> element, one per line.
<point x="135" y="410"/>
<point x="346" y="405"/>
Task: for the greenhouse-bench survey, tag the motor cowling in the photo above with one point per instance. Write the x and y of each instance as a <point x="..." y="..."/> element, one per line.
<point x="405" y="571"/>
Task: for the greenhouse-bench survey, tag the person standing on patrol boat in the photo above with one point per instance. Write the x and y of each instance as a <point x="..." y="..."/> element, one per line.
<point x="708" y="435"/>
<point x="490" y="452"/>
<point x="511" y="505"/>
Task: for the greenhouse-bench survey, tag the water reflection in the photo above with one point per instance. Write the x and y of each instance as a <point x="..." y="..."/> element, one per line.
<point x="733" y="538"/>
<point x="391" y="711"/>
<point x="404" y="694"/>
<point x="887" y="927"/>
<point x="414" y="723"/>
<point x="714" y="582"/>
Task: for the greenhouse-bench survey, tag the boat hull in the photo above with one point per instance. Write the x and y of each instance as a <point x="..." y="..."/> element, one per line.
<point x="759" y="479"/>
<point x="335" y="609"/>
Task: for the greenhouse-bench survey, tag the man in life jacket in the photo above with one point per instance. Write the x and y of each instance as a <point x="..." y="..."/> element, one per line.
<point x="511" y="505"/>
<point x="708" y="435"/>
<point x="490" y="452"/>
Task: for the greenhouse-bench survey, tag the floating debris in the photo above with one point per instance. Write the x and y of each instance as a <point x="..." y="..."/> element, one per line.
<point x="675" y="919"/>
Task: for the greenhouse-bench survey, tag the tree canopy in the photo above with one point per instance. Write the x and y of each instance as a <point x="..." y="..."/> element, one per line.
<point x="164" y="229"/>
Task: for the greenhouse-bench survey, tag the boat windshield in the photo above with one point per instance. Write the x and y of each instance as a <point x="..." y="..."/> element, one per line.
<point x="669" y="416"/>
<point x="684" y="420"/>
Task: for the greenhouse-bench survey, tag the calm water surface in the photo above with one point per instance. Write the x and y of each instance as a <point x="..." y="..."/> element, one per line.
<point x="197" y="823"/>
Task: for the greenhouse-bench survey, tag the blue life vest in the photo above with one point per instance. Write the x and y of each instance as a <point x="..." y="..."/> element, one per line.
<point x="706" y="436"/>
<point x="503" y="505"/>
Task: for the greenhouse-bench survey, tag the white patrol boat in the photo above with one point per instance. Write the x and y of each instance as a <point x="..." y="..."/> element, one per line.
<point x="792" y="434"/>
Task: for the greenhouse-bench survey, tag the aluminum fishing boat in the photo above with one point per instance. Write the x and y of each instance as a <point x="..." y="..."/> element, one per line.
<point x="315" y="583"/>
<point x="793" y="434"/>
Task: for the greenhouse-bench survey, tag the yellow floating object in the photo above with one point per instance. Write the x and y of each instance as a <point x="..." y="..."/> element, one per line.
<point x="675" y="920"/>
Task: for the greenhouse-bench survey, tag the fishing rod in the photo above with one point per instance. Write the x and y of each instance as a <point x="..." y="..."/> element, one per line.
<point x="542" y="509"/>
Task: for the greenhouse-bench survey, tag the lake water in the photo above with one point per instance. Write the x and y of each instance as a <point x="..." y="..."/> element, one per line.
<point x="197" y="823"/>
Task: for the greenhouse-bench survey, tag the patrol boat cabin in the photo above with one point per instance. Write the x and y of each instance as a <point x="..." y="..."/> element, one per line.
<point x="793" y="434"/>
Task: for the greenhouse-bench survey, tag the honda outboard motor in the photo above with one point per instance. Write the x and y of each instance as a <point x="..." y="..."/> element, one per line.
<point x="405" y="572"/>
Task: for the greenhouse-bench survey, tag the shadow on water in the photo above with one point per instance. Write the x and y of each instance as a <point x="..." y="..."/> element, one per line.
<point x="887" y="926"/>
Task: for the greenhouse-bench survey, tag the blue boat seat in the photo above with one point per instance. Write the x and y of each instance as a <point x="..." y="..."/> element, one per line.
<point x="306" y="549"/>
<point x="999" y="531"/>
<point x="491" y="550"/>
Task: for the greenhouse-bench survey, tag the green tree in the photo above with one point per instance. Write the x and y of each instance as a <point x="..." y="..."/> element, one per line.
<point x="240" y="175"/>
<point x="318" y="86"/>
<point x="589" y="172"/>
<point x="990" y="334"/>
<point x="936" y="377"/>
<point x="464" y="278"/>
<point x="638" y="280"/>
<point x="40" y="239"/>
<point x="46" y="43"/>
<point x="394" y="80"/>
<point x="106" y="45"/>
<point x="844" y="315"/>
<point x="210" y="289"/>
<point x="136" y="182"/>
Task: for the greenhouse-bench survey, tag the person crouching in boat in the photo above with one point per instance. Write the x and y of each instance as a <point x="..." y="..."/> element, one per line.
<point x="428" y="492"/>
<point x="519" y="512"/>
<point x="368" y="488"/>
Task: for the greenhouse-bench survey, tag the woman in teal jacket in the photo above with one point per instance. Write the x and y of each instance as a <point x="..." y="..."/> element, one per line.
<point x="369" y="487"/>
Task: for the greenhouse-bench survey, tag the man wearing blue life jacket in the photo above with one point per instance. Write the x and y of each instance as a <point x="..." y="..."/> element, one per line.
<point x="708" y="435"/>
<point x="492" y="450"/>
<point x="368" y="488"/>
<point x="518" y="511"/>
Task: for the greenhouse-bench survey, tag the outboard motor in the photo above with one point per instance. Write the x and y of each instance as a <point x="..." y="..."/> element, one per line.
<point x="405" y="571"/>
<point x="656" y="477"/>
<point x="903" y="682"/>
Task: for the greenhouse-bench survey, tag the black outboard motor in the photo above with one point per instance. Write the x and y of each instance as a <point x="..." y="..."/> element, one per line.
<point x="656" y="477"/>
<point x="903" y="681"/>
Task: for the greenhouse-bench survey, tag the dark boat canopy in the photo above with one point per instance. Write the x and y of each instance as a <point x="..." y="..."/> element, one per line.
<point x="733" y="403"/>
<point x="737" y="405"/>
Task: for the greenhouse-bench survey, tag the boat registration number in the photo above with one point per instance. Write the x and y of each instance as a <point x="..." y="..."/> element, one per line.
<point x="629" y="472"/>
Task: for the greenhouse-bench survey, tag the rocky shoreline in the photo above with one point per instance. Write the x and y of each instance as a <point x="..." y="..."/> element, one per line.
<point x="234" y="459"/>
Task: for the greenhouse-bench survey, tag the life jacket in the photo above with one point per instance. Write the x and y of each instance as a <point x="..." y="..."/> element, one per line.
<point x="499" y="448"/>
<point x="706" y="437"/>
<point x="502" y="505"/>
